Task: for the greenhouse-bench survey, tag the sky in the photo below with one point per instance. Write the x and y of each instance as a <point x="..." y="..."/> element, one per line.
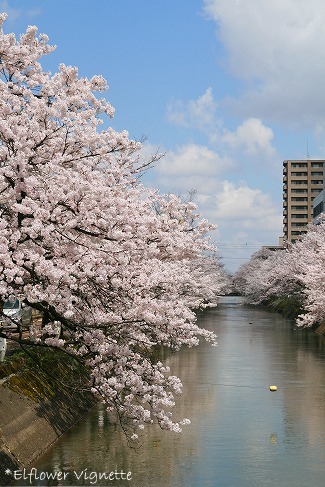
<point x="226" y="89"/>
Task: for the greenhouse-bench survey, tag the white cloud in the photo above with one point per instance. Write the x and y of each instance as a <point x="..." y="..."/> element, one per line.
<point x="241" y="203"/>
<point x="247" y="219"/>
<point x="276" y="48"/>
<point x="193" y="159"/>
<point x="253" y="136"/>
<point x="13" y="13"/>
<point x="197" y="167"/>
<point x="260" y="35"/>
<point x="16" y="13"/>
<point x="227" y="204"/>
<point x="203" y="109"/>
<point x="199" y="113"/>
<point x="191" y="166"/>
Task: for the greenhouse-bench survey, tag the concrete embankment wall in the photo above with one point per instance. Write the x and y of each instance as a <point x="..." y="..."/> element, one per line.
<point x="320" y="329"/>
<point x="35" y="410"/>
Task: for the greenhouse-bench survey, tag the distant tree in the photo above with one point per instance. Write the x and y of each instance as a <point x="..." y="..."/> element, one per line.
<point x="248" y="279"/>
<point x="81" y="239"/>
<point x="268" y="275"/>
<point x="297" y="273"/>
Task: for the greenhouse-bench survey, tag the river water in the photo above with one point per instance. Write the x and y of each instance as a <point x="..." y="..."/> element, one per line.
<point x="241" y="434"/>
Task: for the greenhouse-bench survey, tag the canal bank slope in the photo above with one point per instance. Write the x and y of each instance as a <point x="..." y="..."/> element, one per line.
<point x="291" y="308"/>
<point x="320" y="329"/>
<point x="39" y="401"/>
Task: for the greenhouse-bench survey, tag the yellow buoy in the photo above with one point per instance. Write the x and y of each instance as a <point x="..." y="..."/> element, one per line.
<point x="273" y="388"/>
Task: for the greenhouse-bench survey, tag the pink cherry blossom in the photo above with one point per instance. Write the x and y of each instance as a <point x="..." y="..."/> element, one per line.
<point x="116" y="270"/>
<point x="297" y="273"/>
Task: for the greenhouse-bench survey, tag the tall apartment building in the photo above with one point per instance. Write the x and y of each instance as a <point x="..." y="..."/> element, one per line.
<point x="302" y="181"/>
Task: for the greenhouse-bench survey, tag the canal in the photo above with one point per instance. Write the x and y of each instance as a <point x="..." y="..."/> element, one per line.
<point x="241" y="434"/>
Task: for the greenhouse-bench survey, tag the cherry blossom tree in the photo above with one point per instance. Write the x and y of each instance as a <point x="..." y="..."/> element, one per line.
<point x="310" y="253"/>
<point x="296" y="274"/>
<point x="118" y="269"/>
<point x="248" y="280"/>
<point x="268" y="275"/>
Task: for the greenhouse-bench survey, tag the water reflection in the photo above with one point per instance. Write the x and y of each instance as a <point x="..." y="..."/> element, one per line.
<point x="241" y="435"/>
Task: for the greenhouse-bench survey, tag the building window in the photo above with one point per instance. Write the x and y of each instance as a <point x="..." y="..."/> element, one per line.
<point x="303" y="181"/>
<point x="295" y="173"/>
<point x="317" y="164"/>
<point x="317" y="173"/>
<point x="302" y="207"/>
<point x="299" y="198"/>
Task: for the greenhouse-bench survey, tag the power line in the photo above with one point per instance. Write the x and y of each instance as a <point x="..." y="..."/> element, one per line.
<point x="245" y="246"/>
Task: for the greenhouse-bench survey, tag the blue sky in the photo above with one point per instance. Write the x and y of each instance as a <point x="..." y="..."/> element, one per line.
<point x="227" y="89"/>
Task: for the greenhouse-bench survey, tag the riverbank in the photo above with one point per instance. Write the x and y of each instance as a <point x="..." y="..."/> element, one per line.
<point x="290" y="307"/>
<point x="320" y="329"/>
<point x="40" y="399"/>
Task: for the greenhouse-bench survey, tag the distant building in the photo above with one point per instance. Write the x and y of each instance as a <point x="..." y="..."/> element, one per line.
<point x="273" y="248"/>
<point x="318" y="206"/>
<point x="302" y="182"/>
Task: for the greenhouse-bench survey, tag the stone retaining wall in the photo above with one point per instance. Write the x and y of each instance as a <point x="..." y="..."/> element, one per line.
<point x="30" y="423"/>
